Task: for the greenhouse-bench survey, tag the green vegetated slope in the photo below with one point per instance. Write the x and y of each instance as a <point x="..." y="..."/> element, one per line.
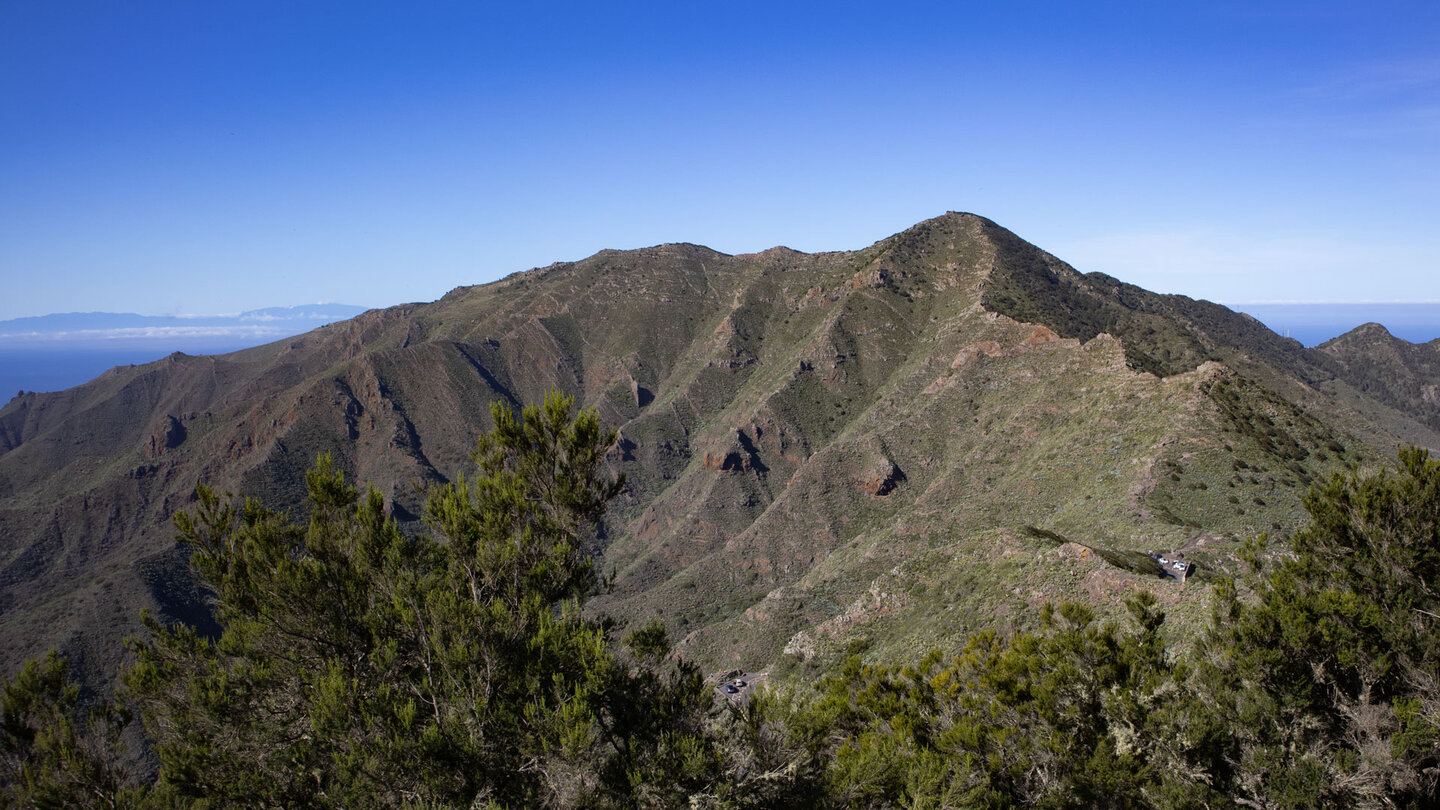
<point x="825" y="452"/>
<point x="1403" y="375"/>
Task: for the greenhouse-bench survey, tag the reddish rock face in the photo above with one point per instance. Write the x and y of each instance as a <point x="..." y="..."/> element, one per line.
<point x="171" y="434"/>
<point x="882" y="485"/>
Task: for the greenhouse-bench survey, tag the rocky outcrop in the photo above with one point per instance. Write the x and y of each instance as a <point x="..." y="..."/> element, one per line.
<point x="169" y="436"/>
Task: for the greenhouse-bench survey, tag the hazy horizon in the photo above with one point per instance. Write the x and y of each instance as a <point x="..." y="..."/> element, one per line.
<point x="56" y="351"/>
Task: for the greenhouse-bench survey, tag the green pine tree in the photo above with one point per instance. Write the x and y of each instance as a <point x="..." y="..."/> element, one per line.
<point x="1329" y="676"/>
<point x="360" y="667"/>
<point x="58" y="752"/>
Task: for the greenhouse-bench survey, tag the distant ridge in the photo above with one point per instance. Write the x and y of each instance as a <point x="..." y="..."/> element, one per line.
<point x="110" y="327"/>
<point x="1313" y="324"/>
<point x="58" y="351"/>
<point x="1402" y="374"/>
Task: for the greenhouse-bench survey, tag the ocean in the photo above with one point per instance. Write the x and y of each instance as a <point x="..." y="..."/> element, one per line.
<point x="55" y="368"/>
<point x="1313" y="324"/>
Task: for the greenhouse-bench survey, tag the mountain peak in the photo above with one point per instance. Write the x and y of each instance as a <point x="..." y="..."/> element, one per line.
<point x="1391" y="369"/>
<point x="779" y="252"/>
<point x="1366" y="333"/>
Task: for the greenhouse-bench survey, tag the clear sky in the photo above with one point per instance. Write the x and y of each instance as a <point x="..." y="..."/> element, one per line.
<point x="204" y="157"/>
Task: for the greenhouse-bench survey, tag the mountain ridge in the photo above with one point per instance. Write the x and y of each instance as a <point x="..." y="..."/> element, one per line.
<point x="797" y="429"/>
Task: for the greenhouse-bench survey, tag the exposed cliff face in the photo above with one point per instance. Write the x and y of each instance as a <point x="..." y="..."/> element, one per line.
<point x="793" y="426"/>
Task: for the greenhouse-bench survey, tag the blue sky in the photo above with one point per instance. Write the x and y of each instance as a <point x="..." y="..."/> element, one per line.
<point x="182" y="157"/>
